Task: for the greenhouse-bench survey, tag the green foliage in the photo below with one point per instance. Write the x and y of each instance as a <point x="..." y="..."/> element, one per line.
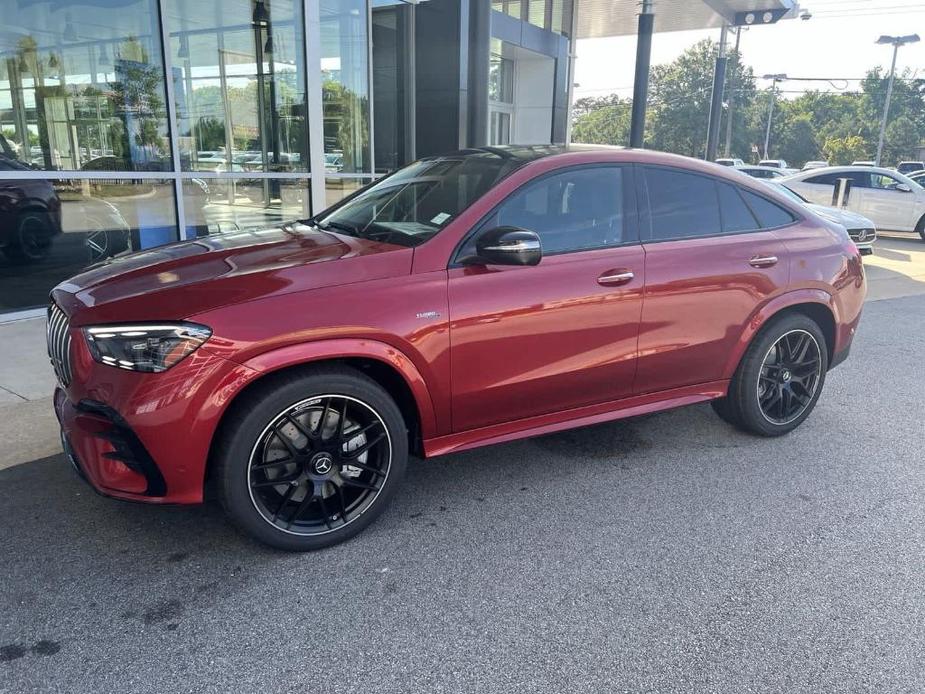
<point x="844" y="150"/>
<point x="603" y="125"/>
<point x="211" y="133"/>
<point x="839" y="126"/>
<point x="902" y="138"/>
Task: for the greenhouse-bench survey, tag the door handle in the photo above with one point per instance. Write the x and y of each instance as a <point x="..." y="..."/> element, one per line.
<point x="763" y="261"/>
<point x="614" y="278"/>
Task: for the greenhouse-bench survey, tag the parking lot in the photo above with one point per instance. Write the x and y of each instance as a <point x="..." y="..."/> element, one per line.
<point x="663" y="553"/>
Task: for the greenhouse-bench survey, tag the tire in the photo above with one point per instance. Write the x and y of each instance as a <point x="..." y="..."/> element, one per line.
<point x="31" y="239"/>
<point x="320" y="471"/>
<point x="722" y="408"/>
<point x="920" y="227"/>
<point x="772" y="391"/>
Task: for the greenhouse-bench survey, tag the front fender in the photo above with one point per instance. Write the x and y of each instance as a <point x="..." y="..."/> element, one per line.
<point x="321" y="350"/>
<point x="768" y="310"/>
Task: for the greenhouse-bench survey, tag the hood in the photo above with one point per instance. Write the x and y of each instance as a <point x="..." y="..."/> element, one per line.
<point x="848" y="219"/>
<point x="177" y="281"/>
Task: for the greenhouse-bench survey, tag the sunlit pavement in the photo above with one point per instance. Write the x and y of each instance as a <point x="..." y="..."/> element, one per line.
<point x="666" y="553"/>
<point x="897" y="267"/>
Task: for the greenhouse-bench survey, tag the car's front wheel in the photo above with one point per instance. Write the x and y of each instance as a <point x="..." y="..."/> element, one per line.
<point x="779" y="379"/>
<point x="307" y="460"/>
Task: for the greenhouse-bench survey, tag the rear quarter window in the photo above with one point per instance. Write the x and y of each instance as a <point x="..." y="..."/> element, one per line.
<point x="769" y="214"/>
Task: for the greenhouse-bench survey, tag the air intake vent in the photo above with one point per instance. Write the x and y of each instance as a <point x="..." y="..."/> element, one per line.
<point x="58" y="334"/>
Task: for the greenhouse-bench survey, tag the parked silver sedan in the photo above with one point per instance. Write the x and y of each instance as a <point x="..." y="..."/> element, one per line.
<point x="861" y="230"/>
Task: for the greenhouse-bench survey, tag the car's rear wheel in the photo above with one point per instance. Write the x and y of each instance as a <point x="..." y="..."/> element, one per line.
<point x="779" y="379"/>
<point x="920" y="227"/>
<point x="308" y="460"/>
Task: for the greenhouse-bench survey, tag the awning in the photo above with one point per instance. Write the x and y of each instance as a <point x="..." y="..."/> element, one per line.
<point x="602" y="18"/>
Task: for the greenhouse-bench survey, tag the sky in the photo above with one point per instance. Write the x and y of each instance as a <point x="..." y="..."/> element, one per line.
<point x="839" y="41"/>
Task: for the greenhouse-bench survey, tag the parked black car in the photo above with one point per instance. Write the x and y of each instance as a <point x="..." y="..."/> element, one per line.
<point x="30" y="211"/>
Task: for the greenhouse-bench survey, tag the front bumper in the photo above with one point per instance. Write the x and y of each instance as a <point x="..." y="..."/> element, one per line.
<point x="145" y="437"/>
<point x="106" y="452"/>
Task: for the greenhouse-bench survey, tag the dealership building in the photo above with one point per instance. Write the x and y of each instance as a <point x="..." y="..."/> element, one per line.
<point x="126" y="124"/>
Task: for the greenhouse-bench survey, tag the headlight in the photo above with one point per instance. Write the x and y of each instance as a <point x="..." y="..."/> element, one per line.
<point x="150" y="348"/>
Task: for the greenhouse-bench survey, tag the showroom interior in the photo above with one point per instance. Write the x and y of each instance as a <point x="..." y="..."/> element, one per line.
<point x="273" y="109"/>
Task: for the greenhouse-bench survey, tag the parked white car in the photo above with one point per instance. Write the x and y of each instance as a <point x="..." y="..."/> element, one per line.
<point x="861" y="229"/>
<point x="815" y="165"/>
<point x="774" y="163"/>
<point x="767" y="172"/>
<point x="893" y="201"/>
<point x="726" y="161"/>
<point x="908" y="167"/>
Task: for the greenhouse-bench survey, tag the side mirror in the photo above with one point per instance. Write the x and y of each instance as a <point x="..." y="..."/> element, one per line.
<point x="509" y="246"/>
<point x="903" y="188"/>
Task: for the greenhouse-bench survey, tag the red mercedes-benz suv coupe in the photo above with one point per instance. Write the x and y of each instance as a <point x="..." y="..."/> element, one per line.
<point x="464" y="300"/>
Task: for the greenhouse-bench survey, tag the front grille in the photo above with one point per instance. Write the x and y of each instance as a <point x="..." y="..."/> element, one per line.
<point x="58" y="336"/>
<point x="862" y="235"/>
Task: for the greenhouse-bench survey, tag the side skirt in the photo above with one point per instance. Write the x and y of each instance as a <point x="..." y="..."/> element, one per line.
<point x="578" y="417"/>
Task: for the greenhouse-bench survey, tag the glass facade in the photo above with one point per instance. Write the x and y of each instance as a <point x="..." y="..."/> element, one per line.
<point x="126" y="124"/>
<point x="552" y="15"/>
<point x="239" y="85"/>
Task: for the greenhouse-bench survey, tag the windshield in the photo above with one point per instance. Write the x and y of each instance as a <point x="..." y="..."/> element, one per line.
<point x="416" y="202"/>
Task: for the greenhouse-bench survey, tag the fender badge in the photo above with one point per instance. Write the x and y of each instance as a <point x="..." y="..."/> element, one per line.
<point x="428" y="314"/>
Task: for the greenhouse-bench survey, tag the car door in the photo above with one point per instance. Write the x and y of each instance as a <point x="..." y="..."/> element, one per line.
<point x="817" y="189"/>
<point x="885" y="204"/>
<point x="712" y="258"/>
<point x="527" y="341"/>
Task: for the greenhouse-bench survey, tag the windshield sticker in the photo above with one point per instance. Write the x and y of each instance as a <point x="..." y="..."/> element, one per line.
<point x="440" y="218"/>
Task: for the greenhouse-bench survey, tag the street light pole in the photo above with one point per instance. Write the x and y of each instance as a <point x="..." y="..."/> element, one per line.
<point x="767" y="135"/>
<point x="896" y="42"/>
<point x="732" y="96"/>
<point x="716" y="101"/>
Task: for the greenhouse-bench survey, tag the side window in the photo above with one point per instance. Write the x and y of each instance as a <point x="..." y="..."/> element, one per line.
<point x="681" y="205"/>
<point x="735" y="213"/>
<point x="769" y="214"/>
<point x="825" y="179"/>
<point x="883" y="182"/>
<point x="573" y="210"/>
<point x="858" y="179"/>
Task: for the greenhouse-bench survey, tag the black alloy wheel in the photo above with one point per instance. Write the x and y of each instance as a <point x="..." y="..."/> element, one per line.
<point x="780" y="378"/>
<point x="319" y="465"/>
<point x="789" y="377"/>
<point x="308" y="458"/>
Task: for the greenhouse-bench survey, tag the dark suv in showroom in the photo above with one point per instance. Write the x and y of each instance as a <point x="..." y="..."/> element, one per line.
<point x="30" y="211"/>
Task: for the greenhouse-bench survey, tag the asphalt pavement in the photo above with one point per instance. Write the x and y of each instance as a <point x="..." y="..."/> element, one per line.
<point x="666" y="553"/>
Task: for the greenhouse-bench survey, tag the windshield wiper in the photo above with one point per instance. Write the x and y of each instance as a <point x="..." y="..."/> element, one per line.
<point x="340" y="226"/>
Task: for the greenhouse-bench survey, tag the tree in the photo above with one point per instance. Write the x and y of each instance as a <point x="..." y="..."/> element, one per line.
<point x="681" y="95"/>
<point x="901" y="141"/>
<point x="797" y="139"/>
<point x="608" y="124"/>
<point x="841" y="126"/>
<point x="840" y="151"/>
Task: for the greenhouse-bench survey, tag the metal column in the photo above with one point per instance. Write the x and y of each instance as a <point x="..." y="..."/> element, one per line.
<point x="641" y="81"/>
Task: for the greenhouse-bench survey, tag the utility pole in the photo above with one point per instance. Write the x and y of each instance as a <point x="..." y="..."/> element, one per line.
<point x="896" y="42"/>
<point x="716" y="103"/>
<point x="767" y="135"/>
<point x="732" y="95"/>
